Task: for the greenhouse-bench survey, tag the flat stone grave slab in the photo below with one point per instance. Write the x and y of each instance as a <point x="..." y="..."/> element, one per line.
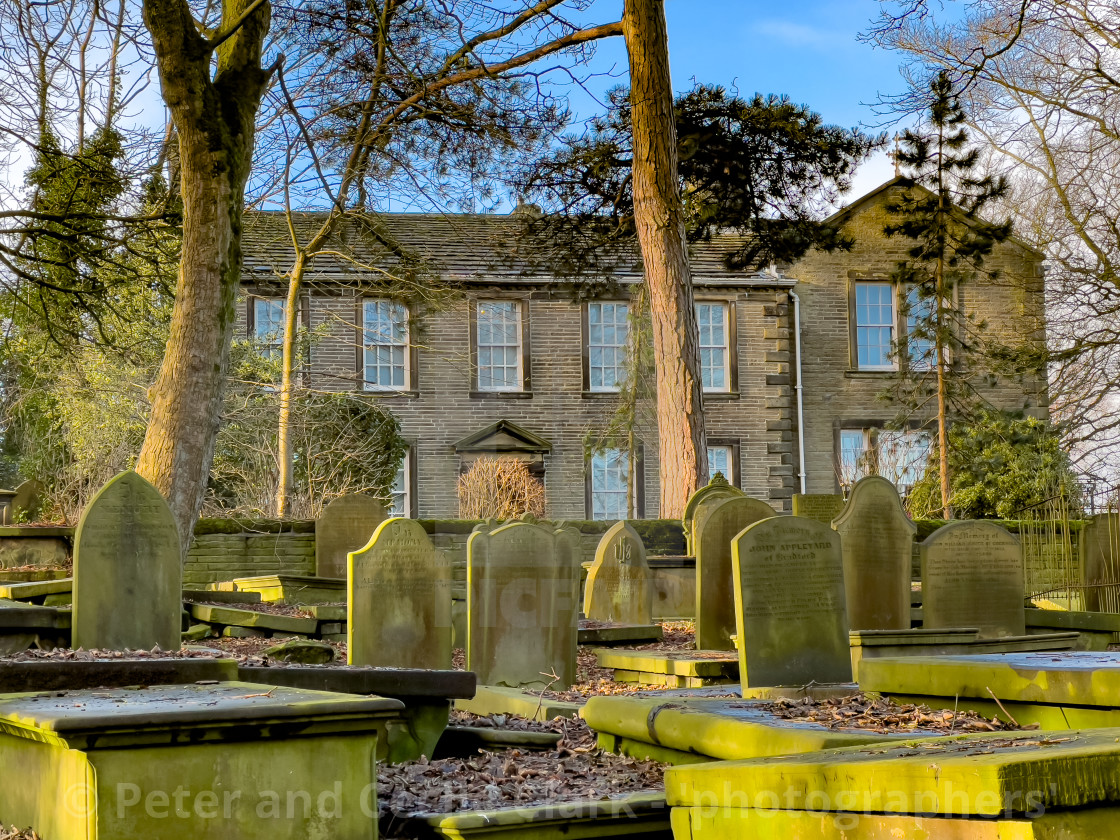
<point x="32" y="575"/>
<point x="34" y="592"/>
<point x="107" y="762"/>
<point x="713" y="823"/>
<point x="68" y="674"/>
<point x="265" y="622"/>
<point x="465" y="741"/>
<point x="294" y="589"/>
<point x="221" y="596"/>
<point x="599" y="633"/>
<point x="634" y="815"/>
<point x="691" y="729"/>
<point x="677" y="669"/>
<point x="427" y="697"/>
<point x="23" y="626"/>
<point x="1092" y="622"/>
<point x="876" y="644"/>
<point x="402" y="683"/>
<point x="503" y="700"/>
<point x="967" y="777"/>
<point x="1072" y="678"/>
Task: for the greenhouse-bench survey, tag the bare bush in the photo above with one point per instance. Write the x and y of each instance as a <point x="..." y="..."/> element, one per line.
<point x="500" y="488"/>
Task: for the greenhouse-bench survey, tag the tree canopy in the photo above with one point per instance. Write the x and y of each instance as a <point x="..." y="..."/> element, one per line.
<point x="764" y="167"/>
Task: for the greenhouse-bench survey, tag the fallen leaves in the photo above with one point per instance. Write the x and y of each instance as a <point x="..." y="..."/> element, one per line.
<point x="878" y="714"/>
<point x="576" y="769"/>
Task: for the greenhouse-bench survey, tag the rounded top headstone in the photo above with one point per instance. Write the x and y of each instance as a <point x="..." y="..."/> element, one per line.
<point x="873" y="490"/>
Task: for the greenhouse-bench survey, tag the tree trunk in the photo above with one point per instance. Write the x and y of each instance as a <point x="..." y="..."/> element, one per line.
<point x="284" y="482"/>
<point x="659" y="220"/>
<point x="215" y="120"/>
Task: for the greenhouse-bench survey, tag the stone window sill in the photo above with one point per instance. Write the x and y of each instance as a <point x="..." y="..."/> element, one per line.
<point x="501" y="395"/>
<point x="720" y="396"/>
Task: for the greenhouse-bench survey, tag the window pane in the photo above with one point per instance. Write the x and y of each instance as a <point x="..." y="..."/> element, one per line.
<point x="903" y="457"/>
<point x="719" y="460"/>
<point x="499" y="345"/>
<point x="874" y="326"/>
<point x="268" y="324"/>
<point x="398" y="493"/>
<point x="711" y="319"/>
<point x="919" y="330"/>
<point x="607" y="336"/>
<point x="385" y="330"/>
<point x="608" y="485"/>
<point x="853" y="456"/>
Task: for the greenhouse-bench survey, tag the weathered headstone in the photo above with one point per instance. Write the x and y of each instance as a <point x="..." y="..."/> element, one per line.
<point x="823" y="507"/>
<point x="877" y="538"/>
<point x="27" y="503"/>
<point x="972" y="576"/>
<point x="399" y="600"/>
<point x="346" y="525"/>
<point x="715" y="529"/>
<point x="1099" y="551"/>
<point x="128" y="570"/>
<point x="523" y="606"/>
<point x="717" y="488"/>
<point x="789" y="599"/>
<point x="619" y="584"/>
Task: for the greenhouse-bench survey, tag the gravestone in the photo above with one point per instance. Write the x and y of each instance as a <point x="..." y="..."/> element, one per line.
<point x="972" y="576"/>
<point x="399" y="600"/>
<point x="346" y="525"/>
<point x="789" y="599"/>
<point x="27" y="503"/>
<point x="823" y="507"/>
<point x="619" y="584"/>
<point x="715" y="528"/>
<point x="523" y="605"/>
<point x="877" y="538"/>
<point x="128" y="569"/>
<point x="717" y="488"/>
<point x="1099" y="552"/>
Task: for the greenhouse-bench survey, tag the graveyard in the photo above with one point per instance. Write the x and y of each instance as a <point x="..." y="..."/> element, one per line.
<point x="743" y="673"/>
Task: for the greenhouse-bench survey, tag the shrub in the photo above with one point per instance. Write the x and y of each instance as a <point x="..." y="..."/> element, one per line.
<point x="500" y="488"/>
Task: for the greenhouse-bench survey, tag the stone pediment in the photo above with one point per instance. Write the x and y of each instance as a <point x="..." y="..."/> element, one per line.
<point x="503" y="437"/>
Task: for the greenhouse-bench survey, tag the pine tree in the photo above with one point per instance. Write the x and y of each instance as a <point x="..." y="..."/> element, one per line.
<point x="941" y="217"/>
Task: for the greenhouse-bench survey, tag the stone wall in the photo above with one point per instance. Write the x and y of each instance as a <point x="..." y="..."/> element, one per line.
<point x="222" y="551"/>
<point x="836" y="395"/>
<point x="441" y="408"/>
<point x="215" y="557"/>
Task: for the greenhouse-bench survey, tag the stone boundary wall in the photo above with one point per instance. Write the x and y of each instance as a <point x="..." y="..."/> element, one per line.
<point x="227" y="549"/>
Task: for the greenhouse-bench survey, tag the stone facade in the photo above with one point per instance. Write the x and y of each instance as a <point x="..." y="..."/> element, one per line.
<point x="756" y="418"/>
<point x="837" y="395"/>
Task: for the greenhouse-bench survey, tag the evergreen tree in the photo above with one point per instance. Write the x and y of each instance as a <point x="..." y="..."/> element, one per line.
<point x="940" y="215"/>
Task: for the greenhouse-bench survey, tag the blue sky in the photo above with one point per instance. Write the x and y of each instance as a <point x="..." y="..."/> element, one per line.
<point x="807" y="49"/>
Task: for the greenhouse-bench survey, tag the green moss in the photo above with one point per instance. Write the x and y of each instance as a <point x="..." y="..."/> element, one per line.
<point x="254" y="526"/>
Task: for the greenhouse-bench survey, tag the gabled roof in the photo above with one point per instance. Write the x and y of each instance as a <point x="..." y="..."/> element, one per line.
<point x="503" y="436"/>
<point x="843" y="214"/>
<point x="459" y="247"/>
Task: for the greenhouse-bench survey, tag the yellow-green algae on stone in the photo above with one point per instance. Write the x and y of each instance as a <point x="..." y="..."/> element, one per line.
<point x="1075" y="678"/>
<point x="718" y="728"/>
<point x="741" y="824"/>
<point x="969" y="776"/>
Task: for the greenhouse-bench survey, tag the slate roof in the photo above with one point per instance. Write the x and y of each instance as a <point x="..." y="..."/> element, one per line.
<point x="468" y="248"/>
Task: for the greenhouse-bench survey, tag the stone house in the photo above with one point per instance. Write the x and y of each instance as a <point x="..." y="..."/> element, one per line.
<point x="511" y="362"/>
